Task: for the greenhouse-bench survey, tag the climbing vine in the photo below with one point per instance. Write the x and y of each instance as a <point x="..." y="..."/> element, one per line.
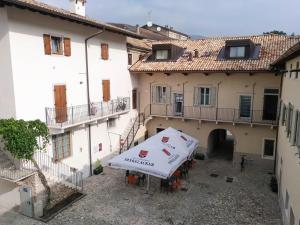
<point x="22" y="138"/>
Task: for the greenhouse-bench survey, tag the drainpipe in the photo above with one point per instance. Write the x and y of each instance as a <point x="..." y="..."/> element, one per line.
<point x="277" y="133"/>
<point x="88" y="96"/>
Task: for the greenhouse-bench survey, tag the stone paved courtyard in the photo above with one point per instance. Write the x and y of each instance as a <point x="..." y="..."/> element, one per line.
<point x="208" y="200"/>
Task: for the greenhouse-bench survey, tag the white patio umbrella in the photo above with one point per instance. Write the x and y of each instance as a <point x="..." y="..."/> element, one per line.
<point x="159" y="156"/>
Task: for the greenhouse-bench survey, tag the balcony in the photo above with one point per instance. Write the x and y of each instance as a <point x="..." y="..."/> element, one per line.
<point x="211" y="114"/>
<point x="62" y="118"/>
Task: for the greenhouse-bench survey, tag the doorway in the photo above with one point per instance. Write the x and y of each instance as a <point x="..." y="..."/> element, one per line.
<point x="60" y="101"/>
<point x="178" y="104"/>
<point x="220" y="144"/>
<point x="270" y="104"/>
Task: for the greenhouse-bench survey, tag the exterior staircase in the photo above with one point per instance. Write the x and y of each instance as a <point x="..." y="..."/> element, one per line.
<point x="130" y="133"/>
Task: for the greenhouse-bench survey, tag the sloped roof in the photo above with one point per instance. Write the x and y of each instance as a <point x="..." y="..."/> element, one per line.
<point x="291" y="53"/>
<point x="145" y="33"/>
<point x="272" y="47"/>
<point x="140" y="44"/>
<point x="43" y="8"/>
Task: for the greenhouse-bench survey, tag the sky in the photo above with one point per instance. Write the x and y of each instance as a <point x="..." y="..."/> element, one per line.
<point x="200" y="17"/>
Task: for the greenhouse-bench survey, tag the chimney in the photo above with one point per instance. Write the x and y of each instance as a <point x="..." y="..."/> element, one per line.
<point x="138" y="31"/>
<point x="78" y="7"/>
<point x="196" y="53"/>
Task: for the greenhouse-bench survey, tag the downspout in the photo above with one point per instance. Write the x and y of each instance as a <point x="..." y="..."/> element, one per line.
<point x="88" y="96"/>
<point x="278" y="116"/>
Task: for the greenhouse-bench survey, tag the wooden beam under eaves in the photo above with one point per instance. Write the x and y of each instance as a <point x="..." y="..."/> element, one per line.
<point x="251" y="74"/>
<point x="185" y="74"/>
<point x="206" y="74"/>
<point x="150" y="74"/>
<point x="168" y="74"/>
<point x="227" y="74"/>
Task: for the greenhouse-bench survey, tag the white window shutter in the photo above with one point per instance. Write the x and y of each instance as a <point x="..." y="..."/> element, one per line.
<point x="213" y="96"/>
<point x="153" y="93"/>
<point x="168" y="94"/>
<point x="196" y="96"/>
<point x="283" y="112"/>
<point x="294" y="127"/>
<point x="298" y="131"/>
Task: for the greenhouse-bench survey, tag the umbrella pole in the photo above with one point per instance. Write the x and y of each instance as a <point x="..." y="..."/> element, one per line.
<point x="148" y="184"/>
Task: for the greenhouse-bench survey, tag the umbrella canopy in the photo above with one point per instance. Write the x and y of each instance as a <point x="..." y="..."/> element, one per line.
<point x="159" y="155"/>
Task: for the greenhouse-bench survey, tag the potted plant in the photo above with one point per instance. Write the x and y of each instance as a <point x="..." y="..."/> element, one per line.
<point x="98" y="168"/>
<point x="273" y="184"/>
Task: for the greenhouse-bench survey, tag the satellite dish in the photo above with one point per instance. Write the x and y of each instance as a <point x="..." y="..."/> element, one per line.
<point x="149" y="24"/>
<point x="158" y="29"/>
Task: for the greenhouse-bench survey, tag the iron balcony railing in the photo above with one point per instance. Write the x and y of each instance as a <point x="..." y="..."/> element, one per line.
<point x="77" y="114"/>
<point x="213" y="114"/>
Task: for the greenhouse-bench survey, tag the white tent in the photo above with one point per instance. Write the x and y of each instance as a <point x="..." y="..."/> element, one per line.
<point x="159" y="156"/>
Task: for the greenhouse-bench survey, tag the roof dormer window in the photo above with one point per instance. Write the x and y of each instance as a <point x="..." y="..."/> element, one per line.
<point x="237" y="52"/>
<point x="162" y="54"/>
<point x="239" y="49"/>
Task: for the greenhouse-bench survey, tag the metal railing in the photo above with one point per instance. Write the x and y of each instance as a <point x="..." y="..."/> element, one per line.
<point x="212" y="114"/>
<point x="57" y="171"/>
<point x="76" y="114"/>
<point x="13" y="174"/>
<point x="127" y="142"/>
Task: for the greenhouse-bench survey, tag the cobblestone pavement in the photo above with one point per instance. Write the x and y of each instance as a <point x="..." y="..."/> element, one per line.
<point x="208" y="200"/>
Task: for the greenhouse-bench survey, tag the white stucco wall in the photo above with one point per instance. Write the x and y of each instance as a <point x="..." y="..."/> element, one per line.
<point x="7" y="102"/>
<point x="35" y="74"/>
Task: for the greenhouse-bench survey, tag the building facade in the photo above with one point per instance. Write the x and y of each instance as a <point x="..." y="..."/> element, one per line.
<point x="288" y="144"/>
<point x="219" y="90"/>
<point x="44" y="76"/>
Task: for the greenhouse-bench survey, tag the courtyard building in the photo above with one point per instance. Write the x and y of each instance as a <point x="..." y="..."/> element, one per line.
<point x="222" y="91"/>
<point x="71" y="72"/>
<point x="288" y="143"/>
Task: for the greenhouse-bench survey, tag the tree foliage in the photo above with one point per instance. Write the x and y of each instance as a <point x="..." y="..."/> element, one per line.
<point x="276" y="32"/>
<point x="22" y="138"/>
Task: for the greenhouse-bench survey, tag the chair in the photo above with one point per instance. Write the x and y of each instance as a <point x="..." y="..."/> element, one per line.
<point x="131" y="179"/>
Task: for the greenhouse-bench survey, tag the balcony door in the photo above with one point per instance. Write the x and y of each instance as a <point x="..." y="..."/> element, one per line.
<point x="245" y="106"/>
<point x="60" y="98"/>
<point x="178" y="104"/>
<point x="270" y="104"/>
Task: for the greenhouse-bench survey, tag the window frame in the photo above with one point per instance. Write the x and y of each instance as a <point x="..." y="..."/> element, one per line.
<point x="130" y="59"/>
<point x="251" y="99"/>
<point x="198" y="100"/>
<point x="263" y="148"/>
<point x="162" y="50"/>
<point x="56" y="153"/>
<point x="165" y="98"/>
<point x="237" y="56"/>
<point x="61" y="45"/>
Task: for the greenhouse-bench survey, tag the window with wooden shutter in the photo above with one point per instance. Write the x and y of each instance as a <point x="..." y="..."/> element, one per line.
<point x="47" y="44"/>
<point x="67" y="46"/>
<point x="104" y="51"/>
<point x="106" y="90"/>
<point x="61" y="145"/>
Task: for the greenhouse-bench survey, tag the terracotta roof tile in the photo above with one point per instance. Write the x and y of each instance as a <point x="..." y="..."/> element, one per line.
<point x="272" y="47"/>
<point x="65" y="14"/>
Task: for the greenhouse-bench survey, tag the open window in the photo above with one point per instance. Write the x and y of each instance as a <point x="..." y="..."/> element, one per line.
<point x="57" y="45"/>
<point x="268" y="148"/>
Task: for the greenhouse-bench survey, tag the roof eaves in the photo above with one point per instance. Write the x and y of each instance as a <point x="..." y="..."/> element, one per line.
<point x="68" y="16"/>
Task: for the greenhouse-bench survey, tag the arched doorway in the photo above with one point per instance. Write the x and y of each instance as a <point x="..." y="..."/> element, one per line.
<point x="220" y="144"/>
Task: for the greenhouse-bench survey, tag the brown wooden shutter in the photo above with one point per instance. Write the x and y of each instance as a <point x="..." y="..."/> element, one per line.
<point x="104" y="51"/>
<point x="60" y="98"/>
<point x="67" y="46"/>
<point x="47" y="44"/>
<point x="106" y="90"/>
